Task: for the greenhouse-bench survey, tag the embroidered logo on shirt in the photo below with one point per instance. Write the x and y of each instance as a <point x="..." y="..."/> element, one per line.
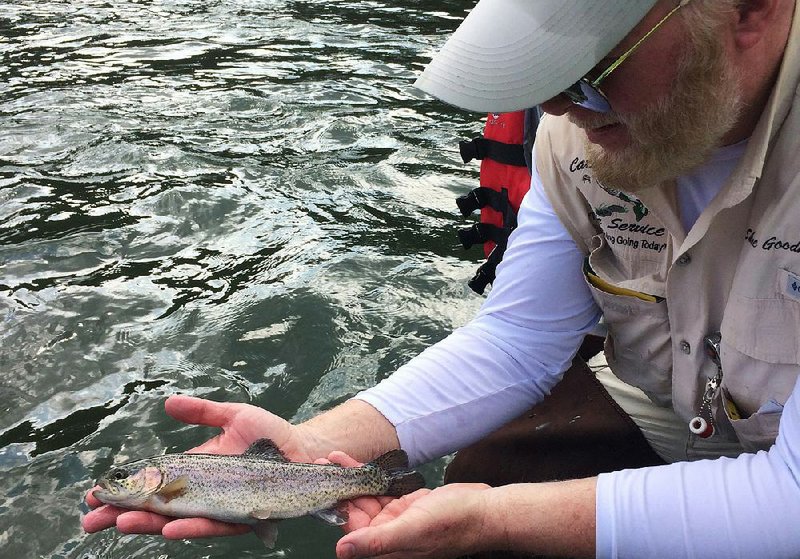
<point x="773" y="243"/>
<point x="606" y="210"/>
<point x="791" y="284"/>
<point x="639" y="209"/>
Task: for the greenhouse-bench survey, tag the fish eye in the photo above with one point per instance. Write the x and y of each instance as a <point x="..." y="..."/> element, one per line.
<point x="119" y="474"/>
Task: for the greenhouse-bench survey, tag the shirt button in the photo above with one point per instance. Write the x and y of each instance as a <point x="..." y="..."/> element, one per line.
<point x="684" y="259"/>
<point x="686" y="347"/>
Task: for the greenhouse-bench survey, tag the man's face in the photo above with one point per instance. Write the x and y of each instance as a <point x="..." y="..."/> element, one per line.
<point x="674" y="131"/>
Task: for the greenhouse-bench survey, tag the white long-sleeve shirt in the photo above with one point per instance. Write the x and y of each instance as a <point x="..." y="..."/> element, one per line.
<point x="509" y="356"/>
<point x="525" y="335"/>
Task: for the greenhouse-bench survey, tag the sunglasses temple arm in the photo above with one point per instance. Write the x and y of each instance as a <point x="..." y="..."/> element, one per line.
<point x="630" y="51"/>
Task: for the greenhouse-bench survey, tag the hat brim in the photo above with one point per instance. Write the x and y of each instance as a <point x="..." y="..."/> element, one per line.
<point x="509" y="55"/>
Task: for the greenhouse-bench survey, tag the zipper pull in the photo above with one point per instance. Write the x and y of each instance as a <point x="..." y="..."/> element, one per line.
<point x="702" y="424"/>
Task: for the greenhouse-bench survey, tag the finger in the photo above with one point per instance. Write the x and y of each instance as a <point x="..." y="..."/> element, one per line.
<point x="356" y="518"/>
<point x="105" y="516"/>
<point x="405" y="501"/>
<point x="186" y="528"/>
<point x="141" y="522"/>
<point x="199" y="411"/>
<point x="370" y="542"/>
<point x="395" y="507"/>
<point x="338" y="457"/>
<point x="360" y="513"/>
<point x="91" y="500"/>
<point x="371" y="505"/>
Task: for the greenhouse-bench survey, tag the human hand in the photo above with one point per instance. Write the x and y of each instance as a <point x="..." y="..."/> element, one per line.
<point x="241" y="425"/>
<point x="361" y="510"/>
<point x="445" y="522"/>
<point x="462" y="519"/>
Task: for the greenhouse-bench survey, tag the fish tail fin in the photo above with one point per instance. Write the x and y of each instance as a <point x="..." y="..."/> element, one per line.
<point x="403" y="483"/>
<point x="392" y="461"/>
<point x="401" y="480"/>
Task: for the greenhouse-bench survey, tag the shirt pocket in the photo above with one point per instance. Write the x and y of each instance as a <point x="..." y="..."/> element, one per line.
<point x="638" y="347"/>
<point x="760" y="352"/>
<point x="764" y="329"/>
<point x="754" y="433"/>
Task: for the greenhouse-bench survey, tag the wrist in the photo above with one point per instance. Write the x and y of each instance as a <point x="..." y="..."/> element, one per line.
<point x="494" y="520"/>
<point x="354" y="427"/>
<point x="311" y="441"/>
<point x="553" y="519"/>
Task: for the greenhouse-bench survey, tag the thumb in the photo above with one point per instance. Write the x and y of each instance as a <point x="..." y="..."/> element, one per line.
<point x="199" y="411"/>
<point x="369" y="542"/>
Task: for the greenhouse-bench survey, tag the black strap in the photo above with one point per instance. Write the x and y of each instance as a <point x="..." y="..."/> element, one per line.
<point x="481" y="233"/>
<point x="481" y="148"/>
<point x="486" y="272"/>
<point x="481" y="197"/>
<point x="509" y="154"/>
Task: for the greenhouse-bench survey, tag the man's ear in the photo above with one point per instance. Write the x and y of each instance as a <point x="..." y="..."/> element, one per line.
<point x="754" y="19"/>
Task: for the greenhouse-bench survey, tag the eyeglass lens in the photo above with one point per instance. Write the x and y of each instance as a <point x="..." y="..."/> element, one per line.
<point x="587" y="96"/>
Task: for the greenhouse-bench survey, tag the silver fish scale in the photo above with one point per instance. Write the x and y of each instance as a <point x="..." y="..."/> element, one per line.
<point x="235" y="488"/>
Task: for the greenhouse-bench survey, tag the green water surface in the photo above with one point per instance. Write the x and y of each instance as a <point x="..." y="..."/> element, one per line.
<point x="242" y="200"/>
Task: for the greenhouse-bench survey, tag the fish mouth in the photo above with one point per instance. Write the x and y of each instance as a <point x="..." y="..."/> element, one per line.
<point x="103" y="495"/>
<point x="107" y="493"/>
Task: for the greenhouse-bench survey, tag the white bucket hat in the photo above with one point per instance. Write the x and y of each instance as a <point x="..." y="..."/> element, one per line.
<point x="509" y="55"/>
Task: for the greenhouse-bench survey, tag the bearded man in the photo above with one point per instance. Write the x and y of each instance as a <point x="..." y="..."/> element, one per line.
<point x="665" y="197"/>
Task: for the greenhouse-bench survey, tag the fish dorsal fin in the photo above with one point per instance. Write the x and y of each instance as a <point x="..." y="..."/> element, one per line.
<point x="173" y="489"/>
<point x="266" y="449"/>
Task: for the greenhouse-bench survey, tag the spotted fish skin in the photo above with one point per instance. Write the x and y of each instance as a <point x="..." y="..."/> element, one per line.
<point x="251" y="488"/>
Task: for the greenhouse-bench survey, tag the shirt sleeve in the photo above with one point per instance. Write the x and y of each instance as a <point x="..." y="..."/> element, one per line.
<point x="509" y="356"/>
<point x="744" y="507"/>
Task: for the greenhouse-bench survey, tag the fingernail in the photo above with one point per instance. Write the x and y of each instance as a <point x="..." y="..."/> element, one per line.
<point x="348" y="551"/>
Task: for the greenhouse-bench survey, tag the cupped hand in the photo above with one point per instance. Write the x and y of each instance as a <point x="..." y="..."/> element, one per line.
<point x="241" y="424"/>
<point x="440" y="523"/>
<point x="361" y="510"/>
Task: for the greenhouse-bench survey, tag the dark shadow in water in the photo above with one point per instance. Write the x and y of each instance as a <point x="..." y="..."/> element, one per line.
<point x="67" y="431"/>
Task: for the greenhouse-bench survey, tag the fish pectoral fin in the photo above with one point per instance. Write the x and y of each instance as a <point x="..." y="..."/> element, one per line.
<point x="173" y="489"/>
<point x="261" y="514"/>
<point x="267" y="532"/>
<point x="337" y="516"/>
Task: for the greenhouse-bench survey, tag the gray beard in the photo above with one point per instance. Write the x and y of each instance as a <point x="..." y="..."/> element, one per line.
<point x="677" y="134"/>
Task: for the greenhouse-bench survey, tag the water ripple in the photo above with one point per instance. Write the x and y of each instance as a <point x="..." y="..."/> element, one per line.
<point x="244" y="200"/>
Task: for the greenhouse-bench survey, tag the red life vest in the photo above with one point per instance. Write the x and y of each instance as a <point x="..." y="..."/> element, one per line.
<point x="504" y="180"/>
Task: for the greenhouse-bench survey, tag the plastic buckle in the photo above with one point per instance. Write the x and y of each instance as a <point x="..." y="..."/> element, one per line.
<point x="472" y="236"/>
<point x="469" y="203"/>
<point x="470" y="149"/>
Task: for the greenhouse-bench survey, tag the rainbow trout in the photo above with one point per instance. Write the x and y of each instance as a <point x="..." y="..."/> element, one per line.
<point x="255" y="488"/>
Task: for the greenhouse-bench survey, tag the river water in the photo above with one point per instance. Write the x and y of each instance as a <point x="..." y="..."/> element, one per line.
<point x="242" y="200"/>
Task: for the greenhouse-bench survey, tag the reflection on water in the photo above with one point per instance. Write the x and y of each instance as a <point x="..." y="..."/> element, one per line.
<point x="243" y="200"/>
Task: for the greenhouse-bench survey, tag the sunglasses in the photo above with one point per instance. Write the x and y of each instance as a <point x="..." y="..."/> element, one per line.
<point x="586" y="93"/>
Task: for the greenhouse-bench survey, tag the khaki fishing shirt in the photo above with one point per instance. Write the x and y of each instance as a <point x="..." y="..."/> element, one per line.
<point x="737" y="272"/>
